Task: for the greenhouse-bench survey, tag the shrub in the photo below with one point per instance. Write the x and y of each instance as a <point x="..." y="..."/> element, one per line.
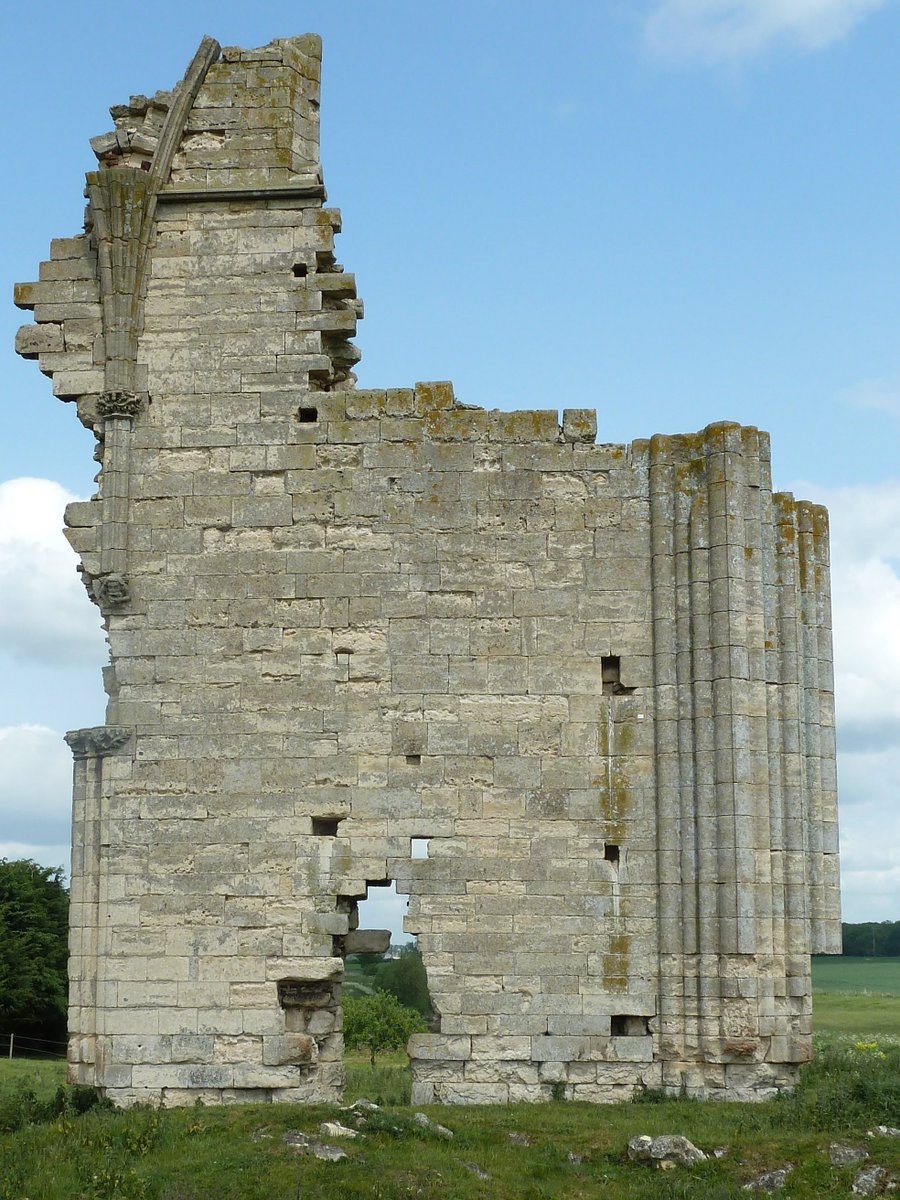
<point x="379" y="1022"/>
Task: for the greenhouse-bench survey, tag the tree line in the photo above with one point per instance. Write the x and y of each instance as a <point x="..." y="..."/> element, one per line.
<point x="872" y="939"/>
<point x="34" y="952"/>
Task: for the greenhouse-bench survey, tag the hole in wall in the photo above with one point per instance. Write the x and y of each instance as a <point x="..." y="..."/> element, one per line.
<point x="414" y="760"/>
<point x="418" y="847"/>
<point x="326" y="826"/>
<point x="384" y="908"/>
<point x="611" y="852"/>
<point x="307" y="415"/>
<point x="610" y="674"/>
<point x="299" y="270"/>
<point x="628" y="1025"/>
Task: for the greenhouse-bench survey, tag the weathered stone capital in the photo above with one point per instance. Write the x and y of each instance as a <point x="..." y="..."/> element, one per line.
<point x="119" y="404"/>
<point x="111" y="591"/>
<point x="98" y="741"/>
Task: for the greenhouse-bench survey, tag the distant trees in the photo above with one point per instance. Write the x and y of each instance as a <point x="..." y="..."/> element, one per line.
<point x="872" y="939"/>
<point x="34" y="923"/>
<point x="405" y="978"/>
<point x="402" y="974"/>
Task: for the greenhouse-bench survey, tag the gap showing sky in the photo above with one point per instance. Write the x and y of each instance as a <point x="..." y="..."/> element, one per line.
<point x="673" y="211"/>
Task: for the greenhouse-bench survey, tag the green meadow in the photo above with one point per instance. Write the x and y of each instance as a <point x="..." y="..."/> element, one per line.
<point x="52" y="1150"/>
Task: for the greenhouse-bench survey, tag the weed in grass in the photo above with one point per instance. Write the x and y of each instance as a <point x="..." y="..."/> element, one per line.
<point x="388" y="1082"/>
<point x="649" y="1095"/>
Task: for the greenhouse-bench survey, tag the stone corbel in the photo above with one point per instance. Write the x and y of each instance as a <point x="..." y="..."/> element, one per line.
<point x="120" y="404"/>
<point x="110" y="591"/>
<point x="98" y="741"/>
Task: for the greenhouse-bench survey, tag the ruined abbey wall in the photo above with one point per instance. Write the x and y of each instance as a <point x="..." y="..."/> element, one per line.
<point x="596" y="679"/>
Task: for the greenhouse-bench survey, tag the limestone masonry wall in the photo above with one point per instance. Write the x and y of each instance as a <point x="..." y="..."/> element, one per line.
<point x="596" y="678"/>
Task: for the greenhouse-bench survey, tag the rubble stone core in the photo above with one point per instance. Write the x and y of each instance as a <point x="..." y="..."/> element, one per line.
<point x="596" y="679"/>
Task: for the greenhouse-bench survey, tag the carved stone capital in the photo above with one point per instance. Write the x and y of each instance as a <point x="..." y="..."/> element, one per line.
<point x="111" y="591"/>
<point x="119" y="404"/>
<point x="98" y="741"/>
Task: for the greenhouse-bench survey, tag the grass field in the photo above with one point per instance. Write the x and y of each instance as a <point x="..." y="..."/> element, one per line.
<point x="571" y="1151"/>
<point x="877" y="975"/>
<point x="856" y="996"/>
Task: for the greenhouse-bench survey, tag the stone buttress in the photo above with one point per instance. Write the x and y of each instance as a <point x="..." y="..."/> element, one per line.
<point x="594" y="680"/>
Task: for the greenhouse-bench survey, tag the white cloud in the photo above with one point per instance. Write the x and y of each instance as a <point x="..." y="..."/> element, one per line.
<point x="47" y="617"/>
<point x="865" y="582"/>
<point x="45" y="856"/>
<point x="881" y="394"/>
<point x="728" y="31"/>
<point x="870" y="837"/>
<point x="35" y="785"/>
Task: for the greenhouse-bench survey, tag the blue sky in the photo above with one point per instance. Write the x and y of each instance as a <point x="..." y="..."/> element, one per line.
<point x="675" y="211"/>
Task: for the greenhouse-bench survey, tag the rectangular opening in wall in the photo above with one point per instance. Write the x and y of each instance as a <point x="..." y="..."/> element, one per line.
<point x="307" y="415"/>
<point x="626" y="1025"/>
<point x="418" y="847"/>
<point x="299" y="270"/>
<point x="414" y="760"/>
<point x="325" y="826"/>
<point x="384" y="908"/>
<point x="610" y="674"/>
<point x="611" y="852"/>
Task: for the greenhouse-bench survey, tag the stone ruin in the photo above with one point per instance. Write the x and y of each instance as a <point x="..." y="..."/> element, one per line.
<point x="595" y="680"/>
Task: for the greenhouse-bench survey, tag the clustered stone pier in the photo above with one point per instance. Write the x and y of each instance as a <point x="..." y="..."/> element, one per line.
<point x="596" y="679"/>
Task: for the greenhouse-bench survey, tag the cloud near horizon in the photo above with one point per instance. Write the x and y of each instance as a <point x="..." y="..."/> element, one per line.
<point x="35" y="789"/>
<point x="48" y="618"/>
<point x="731" y="31"/>
<point x="865" y="588"/>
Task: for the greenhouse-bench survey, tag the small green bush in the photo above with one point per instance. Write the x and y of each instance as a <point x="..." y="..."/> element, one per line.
<point x="379" y="1022"/>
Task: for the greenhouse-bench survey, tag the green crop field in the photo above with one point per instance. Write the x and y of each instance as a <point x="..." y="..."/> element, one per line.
<point x="876" y="975"/>
<point x="859" y="996"/>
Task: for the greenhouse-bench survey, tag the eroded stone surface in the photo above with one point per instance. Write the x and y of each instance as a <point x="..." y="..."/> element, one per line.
<point x="592" y="681"/>
<point x="665" y="1149"/>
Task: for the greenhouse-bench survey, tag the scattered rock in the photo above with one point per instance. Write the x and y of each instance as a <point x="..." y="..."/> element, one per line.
<point x="842" y="1155"/>
<point x="425" y="1122"/>
<point x="668" y="1148"/>
<point x="720" y="1152"/>
<point x="336" y="1130"/>
<point x="769" y="1181"/>
<point x="518" y="1139"/>
<point x="363" y="1105"/>
<point x="476" y="1170"/>
<point x="262" y="1134"/>
<point x="575" y="1159"/>
<point x="873" y="1181"/>
<point x="883" y="1131"/>
<point x="302" y="1144"/>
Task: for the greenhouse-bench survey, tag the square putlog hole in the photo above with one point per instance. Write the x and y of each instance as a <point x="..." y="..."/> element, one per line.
<point x="325" y="826"/>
